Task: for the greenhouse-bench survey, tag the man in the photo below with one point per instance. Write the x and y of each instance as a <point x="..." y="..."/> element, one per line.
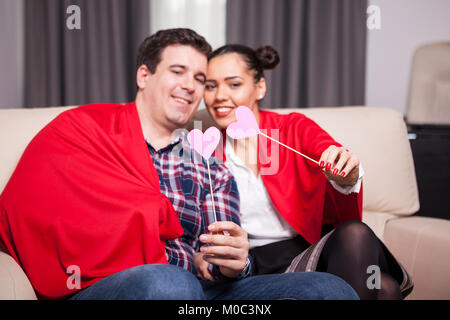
<point x="170" y="79"/>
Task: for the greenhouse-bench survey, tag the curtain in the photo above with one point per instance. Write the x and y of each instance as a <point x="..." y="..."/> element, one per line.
<point x="322" y="46"/>
<point x="95" y="63"/>
<point x="11" y="65"/>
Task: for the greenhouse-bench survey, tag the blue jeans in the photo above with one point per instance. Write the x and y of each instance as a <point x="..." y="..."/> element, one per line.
<point x="168" y="282"/>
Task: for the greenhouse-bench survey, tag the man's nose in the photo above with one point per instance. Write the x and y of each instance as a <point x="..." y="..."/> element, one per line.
<point x="188" y="84"/>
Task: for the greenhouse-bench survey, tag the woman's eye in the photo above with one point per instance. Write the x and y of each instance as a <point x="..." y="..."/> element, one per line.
<point x="235" y="85"/>
<point x="209" y="86"/>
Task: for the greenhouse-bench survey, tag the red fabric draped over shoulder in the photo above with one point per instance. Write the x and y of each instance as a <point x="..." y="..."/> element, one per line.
<point x="85" y="193"/>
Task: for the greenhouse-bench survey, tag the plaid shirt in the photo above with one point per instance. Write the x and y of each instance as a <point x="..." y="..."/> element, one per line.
<point x="183" y="177"/>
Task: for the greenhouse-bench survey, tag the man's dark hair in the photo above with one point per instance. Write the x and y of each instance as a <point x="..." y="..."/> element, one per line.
<point x="151" y="48"/>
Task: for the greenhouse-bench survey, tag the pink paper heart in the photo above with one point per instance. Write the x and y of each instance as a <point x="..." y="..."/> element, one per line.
<point x="245" y="126"/>
<point x="204" y="143"/>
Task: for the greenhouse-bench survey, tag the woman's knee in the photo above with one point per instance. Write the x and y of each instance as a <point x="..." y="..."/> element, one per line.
<point x="389" y="288"/>
<point x="354" y="231"/>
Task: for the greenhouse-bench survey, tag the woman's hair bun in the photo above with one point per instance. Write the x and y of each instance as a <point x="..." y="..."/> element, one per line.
<point x="268" y="57"/>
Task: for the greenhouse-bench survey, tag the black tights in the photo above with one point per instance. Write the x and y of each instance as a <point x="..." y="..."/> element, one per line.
<point x="349" y="251"/>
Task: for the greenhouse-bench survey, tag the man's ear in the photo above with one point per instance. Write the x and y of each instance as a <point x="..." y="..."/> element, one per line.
<point x="142" y="76"/>
<point x="260" y="89"/>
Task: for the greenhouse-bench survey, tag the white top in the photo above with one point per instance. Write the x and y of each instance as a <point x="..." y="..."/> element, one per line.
<point x="259" y="217"/>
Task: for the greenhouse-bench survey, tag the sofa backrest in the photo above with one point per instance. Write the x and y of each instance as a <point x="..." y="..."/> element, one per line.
<point x="377" y="135"/>
<point x="17" y="128"/>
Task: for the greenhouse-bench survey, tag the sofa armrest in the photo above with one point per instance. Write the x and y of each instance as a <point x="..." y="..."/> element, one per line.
<point x="377" y="221"/>
<point x="422" y="245"/>
<point x="14" y="284"/>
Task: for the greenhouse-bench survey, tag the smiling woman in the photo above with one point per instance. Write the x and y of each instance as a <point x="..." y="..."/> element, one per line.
<point x="304" y="216"/>
<point x="233" y="81"/>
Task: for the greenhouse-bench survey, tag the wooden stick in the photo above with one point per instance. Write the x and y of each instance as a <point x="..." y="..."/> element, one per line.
<point x="289" y="148"/>
<point x="211" y="190"/>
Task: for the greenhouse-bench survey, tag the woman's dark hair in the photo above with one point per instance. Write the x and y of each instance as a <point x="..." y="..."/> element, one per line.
<point x="265" y="57"/>
<point x="150" y="50"/>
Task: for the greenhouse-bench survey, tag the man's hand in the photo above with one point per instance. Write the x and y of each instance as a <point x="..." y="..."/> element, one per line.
<point x="340" y="165"/>
<point x="227" y="247"/>
<point x="201" y="265"/>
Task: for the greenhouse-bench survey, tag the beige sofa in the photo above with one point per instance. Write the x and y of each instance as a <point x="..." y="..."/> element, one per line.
<point x="377" y="135"/>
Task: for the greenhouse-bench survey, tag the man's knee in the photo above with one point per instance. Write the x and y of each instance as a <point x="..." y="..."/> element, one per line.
<point x="336" y="288"/>
<point x="162" y="282"/>
<point x="322" y="286"/>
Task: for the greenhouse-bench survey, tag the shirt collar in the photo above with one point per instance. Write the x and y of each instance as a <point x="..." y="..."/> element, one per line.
<point x="179" y="136"/>
<point x="231" y="155"/>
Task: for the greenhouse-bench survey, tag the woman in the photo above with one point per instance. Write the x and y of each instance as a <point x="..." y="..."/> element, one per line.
<point x="288" y="202"/>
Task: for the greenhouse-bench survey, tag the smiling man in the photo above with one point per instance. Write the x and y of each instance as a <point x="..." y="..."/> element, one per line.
<point x="170" y="92"/>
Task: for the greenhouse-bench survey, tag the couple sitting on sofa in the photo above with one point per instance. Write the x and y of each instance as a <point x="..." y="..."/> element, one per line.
<point x="107" y="188"/>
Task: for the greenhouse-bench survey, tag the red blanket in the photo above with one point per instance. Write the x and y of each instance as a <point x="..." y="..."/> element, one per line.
<point x="297" y="187"/>
<point x="86" y="194"/>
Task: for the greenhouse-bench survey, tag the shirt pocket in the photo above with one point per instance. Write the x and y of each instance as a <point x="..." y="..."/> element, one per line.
<point x="187" y="187"/>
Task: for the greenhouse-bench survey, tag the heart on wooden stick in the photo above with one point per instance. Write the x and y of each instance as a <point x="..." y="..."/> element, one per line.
<point x="205" y="144"/>
<point x="245" y="125"/>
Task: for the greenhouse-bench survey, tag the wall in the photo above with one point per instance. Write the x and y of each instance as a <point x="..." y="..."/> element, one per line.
<point x="405" y="25"/>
